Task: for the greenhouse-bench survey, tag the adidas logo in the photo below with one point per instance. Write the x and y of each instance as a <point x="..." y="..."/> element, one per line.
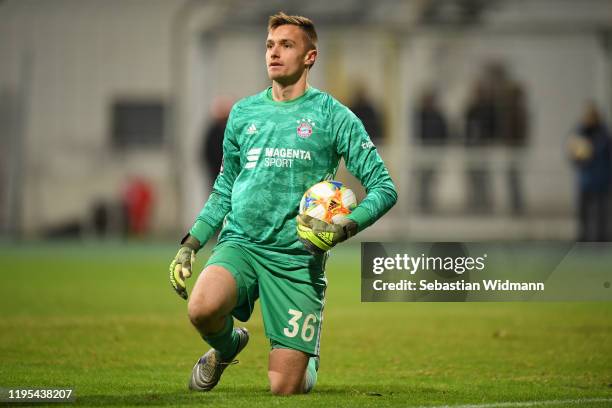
<point x="252" y="129"/>
<point x="326" y="236"/>
<point x="252" y="157"/>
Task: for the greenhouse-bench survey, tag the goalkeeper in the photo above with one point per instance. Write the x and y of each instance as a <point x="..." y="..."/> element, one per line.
<point x="277" y="144"/>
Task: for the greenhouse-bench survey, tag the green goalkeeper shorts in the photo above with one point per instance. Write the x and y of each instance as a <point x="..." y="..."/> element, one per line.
<point x="292" y="296"/>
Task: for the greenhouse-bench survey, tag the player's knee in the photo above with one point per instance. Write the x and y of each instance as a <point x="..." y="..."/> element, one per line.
<point x="282" y="386"/>
<point x="285" y="389"/>
<point x="203" y="314"/>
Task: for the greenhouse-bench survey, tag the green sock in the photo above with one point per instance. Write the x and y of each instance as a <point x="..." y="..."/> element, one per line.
<point x="226" y="341"/>
<point x="311" y="374"/>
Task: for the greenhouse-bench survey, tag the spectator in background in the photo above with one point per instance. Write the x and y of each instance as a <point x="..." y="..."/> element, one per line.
<point x="431" y="126"/>
<point x="430" y="129"/>
<point x="589" y="149"/>
<point x="513" y="117"/>
<point x="363" y="107"/>
<point x="497" y="114"/>
<point x="211" y="151"/>
<point x="138" y="200"/>
<point x="481" y="128"/>
<point x="514" y="127"/>
<point x="481" y="123"/>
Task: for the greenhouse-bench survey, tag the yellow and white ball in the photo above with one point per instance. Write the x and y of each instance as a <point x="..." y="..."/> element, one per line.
<point x="328" y="201"/>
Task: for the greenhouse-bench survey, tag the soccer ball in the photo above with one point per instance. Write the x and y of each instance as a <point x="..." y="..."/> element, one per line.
<point x="328" y="201"/>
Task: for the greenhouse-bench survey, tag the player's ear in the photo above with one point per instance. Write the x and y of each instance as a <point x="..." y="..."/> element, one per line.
<point x="310" y="58"/>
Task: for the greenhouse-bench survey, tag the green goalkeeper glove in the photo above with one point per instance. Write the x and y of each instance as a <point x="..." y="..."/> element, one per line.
<point x="180" y="268"/>
<point x="319" y="236"/>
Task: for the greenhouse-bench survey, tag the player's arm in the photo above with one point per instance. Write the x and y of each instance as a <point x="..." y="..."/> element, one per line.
<point x="363" y="161"/>
<point x="210" y="218"/>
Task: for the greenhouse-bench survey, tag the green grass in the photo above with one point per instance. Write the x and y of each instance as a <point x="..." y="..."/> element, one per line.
<point x="101" y="318"/>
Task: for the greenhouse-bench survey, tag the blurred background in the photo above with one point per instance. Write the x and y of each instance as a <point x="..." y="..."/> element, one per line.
<point x="489" y="114"/>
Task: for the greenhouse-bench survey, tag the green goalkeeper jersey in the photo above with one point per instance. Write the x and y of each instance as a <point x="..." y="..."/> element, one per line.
<point x="272" y="153"/>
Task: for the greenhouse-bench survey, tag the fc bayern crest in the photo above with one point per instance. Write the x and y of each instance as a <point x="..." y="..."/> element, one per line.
<point x="304" y="129"/>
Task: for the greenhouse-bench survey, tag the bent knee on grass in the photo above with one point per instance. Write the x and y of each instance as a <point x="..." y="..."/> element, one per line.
<point x="284" y="388"/>
<point x="287" y="371"/>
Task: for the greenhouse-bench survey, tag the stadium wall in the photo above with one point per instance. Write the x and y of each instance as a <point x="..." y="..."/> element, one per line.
<point x="65" y="61"/>
<point x="75" y="58"/>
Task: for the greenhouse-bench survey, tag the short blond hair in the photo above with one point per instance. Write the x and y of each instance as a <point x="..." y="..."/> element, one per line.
<point x="304" y="23"/>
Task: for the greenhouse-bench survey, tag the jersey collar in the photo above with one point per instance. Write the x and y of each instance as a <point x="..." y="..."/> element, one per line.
<point x="306" y="94"/>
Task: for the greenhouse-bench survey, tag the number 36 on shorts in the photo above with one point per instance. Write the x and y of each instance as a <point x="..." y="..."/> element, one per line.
<point x="304" y="327"/>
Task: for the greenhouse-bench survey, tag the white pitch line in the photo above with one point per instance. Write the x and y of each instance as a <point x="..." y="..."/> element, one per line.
<point x="522" y="403"/>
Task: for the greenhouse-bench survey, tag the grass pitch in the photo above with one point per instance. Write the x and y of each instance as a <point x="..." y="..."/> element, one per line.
<point x="102" y="319"/>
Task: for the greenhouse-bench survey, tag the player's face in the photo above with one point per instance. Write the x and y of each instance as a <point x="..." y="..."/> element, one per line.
<point x="287" y="54"/>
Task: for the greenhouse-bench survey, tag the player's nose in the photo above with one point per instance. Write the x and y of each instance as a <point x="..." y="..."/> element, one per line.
<point x="274" y="51"/>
